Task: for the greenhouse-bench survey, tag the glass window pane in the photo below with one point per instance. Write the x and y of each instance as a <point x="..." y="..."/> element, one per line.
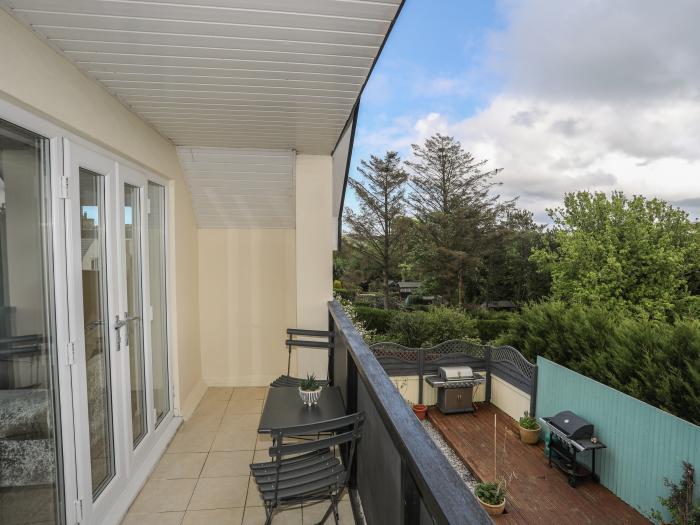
<point x="159" y="329"/>
<point x="96" y="316"/>
<point x="30" y="467"/>
<point x="134" y="314"/>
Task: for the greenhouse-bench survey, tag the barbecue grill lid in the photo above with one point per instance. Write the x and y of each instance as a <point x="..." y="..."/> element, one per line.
<point x="573" y="426"/>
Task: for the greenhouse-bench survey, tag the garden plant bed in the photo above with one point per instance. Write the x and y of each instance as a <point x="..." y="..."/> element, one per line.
<point x="536" y="493"/>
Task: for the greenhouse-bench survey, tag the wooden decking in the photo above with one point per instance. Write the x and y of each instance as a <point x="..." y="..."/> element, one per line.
<point x="536" y="493"/>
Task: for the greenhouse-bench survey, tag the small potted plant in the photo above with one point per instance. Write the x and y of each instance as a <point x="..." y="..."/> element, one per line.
<point x="420" y="410"/>
<point x="310" y="390"/>
<point x="529" y="429"/>
<point x="492" y="496"/>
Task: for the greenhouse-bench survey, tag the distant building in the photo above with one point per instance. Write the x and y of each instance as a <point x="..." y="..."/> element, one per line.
<point x="504" y="306"/>
<point x="409" y="287"/>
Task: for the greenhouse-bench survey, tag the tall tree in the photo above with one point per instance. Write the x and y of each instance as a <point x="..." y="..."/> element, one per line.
<point x="377" y="227"/>
<point x="619" y="252"/>
<point x="457" y="213"/>
<point x="509" y="272"/>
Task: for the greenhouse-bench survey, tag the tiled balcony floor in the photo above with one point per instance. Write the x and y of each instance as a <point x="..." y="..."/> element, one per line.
<point x="204" y="478"/>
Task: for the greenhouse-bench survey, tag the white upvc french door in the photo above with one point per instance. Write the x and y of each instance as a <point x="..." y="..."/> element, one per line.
<point x="134" y="311"/>
<point x="98" y="375"/>
<point x="120" y="379"/>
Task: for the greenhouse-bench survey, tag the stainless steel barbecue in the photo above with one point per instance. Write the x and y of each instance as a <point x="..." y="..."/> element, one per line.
<point x="570" y="435"/>
<point x="455" y="386"/>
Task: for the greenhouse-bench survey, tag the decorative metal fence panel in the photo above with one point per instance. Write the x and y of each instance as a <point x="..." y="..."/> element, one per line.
<point x="505" y="361"/>
<point x="645" y="444"/>
<point x="511" y="366"/>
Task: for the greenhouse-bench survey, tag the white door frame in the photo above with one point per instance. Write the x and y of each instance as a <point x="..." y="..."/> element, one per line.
<point x="76" y="157"/>
<point x="139" y="180"/>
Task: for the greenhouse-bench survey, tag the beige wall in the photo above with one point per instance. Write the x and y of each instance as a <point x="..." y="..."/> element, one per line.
<point x="256" y="283"/>
<point x="511" y="400"/>
<point x="504" y="395"/>
<point x="408" y="386"/>
<point x="41" y="80"/>
<point x="247" y="301"/>
<point x="315" y="235"/>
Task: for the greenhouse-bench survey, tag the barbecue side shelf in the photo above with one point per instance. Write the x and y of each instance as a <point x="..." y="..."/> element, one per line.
<point x="566" y="462"/>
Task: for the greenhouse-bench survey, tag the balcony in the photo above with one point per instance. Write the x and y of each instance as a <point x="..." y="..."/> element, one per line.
<point x="399" y="475"/>
<point x="172" y="184"/>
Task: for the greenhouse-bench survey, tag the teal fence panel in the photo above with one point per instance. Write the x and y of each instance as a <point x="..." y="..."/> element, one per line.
<point x="645" y="444"/>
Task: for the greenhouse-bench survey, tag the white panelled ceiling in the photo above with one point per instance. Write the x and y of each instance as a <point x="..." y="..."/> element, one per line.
<point x="270" y="74"/>
<point x="236" y="188"/>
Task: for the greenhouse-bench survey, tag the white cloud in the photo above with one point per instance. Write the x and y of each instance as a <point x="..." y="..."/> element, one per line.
<point x="575" y="147"/>
<point x="598" y="95"/>
<point x="600" y="50"/>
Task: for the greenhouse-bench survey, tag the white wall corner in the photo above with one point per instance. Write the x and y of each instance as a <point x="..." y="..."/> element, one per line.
<point x="192" y="400"/>
<point x="314" y="253"/>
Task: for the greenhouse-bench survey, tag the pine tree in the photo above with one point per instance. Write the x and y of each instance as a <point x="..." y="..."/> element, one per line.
<point x="376" y="228"/>
<point x="456" y="211"/>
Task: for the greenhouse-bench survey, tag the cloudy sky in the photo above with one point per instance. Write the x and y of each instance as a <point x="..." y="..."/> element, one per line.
<point x="583" y="94"/>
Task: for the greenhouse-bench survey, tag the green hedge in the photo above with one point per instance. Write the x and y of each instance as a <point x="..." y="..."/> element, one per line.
<point x="491" y="329"/>
<point x="423" y="329"/>
<point x="654" y="361"/>
<point x="430" y="326"/>
<point x="344" y="293"/>
<point x="376" y="319"/>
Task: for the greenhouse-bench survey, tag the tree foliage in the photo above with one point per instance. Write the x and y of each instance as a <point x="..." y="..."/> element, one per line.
<point x="623" y="253"/>
<point x="657" y="362"/>
<point x="456" y="211"/>
<point x="376" y="229"/>
<point x="508" y="271"/>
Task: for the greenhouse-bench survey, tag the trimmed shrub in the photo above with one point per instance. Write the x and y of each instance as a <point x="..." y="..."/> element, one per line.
<point x="348" y="295"/>
<point x="491" y="329"/>
<point x="654" y="361"/>
<point x="376" y="319"/>
<point x="422" y="329"/>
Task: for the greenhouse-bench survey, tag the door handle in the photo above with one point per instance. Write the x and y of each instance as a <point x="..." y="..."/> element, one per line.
<point x="119" y="324"/>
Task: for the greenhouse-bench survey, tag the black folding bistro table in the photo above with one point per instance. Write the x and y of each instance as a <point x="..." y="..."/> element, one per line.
<point x="284" y="408"/>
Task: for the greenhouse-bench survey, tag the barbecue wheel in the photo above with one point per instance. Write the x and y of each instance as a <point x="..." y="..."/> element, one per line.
<point x="572" y="481"/>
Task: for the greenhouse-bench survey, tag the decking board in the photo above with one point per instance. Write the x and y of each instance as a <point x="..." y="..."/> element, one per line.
<point x="536" y="493"/>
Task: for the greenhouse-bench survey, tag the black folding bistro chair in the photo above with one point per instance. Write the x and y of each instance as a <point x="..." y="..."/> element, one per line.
<point x="308" y="471"/>
<point x="291" y="342"/>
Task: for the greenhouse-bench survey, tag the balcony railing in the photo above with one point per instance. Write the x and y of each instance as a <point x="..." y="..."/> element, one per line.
<point x="400" y="475"/>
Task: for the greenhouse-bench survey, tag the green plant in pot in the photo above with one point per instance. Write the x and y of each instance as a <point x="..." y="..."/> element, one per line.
<point x="310" y="390"/>
<point x="529" y="429"/>
<point x="492" y="496"/>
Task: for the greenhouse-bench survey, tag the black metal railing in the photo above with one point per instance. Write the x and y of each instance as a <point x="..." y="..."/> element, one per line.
<point x="399" y="473"/>
<point x="503" y="361"/>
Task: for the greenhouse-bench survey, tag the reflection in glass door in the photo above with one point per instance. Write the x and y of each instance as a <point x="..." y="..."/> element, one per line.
<point x="93" y="243"/>
<point x="134" y="315"/>
<point x="30" y="462"/>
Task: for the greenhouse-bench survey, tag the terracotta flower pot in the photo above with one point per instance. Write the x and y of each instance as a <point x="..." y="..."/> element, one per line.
<point x="493" y="510"/>
<point x="530" y="437"/>
<point x="420" y="410"/>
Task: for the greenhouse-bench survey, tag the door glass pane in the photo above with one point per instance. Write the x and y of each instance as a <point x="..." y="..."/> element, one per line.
<point x="159" y="329"/>
<point x="96" y="316"/>
<point x="29" y="462"/>
<point x="134" y="314"/>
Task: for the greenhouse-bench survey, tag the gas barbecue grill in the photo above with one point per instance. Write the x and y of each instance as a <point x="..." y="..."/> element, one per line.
<point x="455" y="386"/>
<point x="571" y="435"/>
